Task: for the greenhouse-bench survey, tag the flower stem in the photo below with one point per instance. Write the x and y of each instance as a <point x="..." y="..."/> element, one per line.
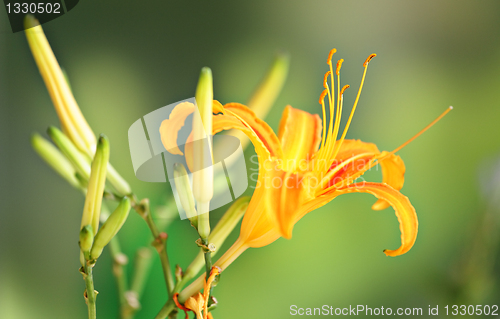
<point x="119" y="261"/>
<point x="90" y="293"/>
<point x="208" y="258"/>
<point x="167" y="309"/>
<point x="143" y="209"/>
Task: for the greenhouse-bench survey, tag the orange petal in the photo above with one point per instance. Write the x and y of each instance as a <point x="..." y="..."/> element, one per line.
<point x="257" y="227"/>
<point x="405" y="212"/>
<point x="393" y="171"/>
<point x="260" y="129"/>
<point x="284" y="194"/>
<point x="344" y="172"/>
<point x="352" y="148"/>
<point x="170" y="128"/>
<point x="300" y="136"/>
<point x="195" y="304"/>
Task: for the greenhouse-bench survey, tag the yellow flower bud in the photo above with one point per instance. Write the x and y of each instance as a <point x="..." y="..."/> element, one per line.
<point x="110" y="228"/>
<point x="73" y="123"/>
<point x="72" y="120"/>
<point x="79" y="160"/>
<point x="52" y="156"/>
<point x="92" y="208"/>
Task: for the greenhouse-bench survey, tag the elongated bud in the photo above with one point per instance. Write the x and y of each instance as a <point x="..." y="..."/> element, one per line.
<point x="121" y="186"/>
<point x="52" y="156"/>
<point x="110" y="228"/>
<point x="72" y="120"/>
<point x="221" y="231"/>
<point x="183" y="187"/>
<point x="86" y="238"/>
<point x="92" y="208"/>
<point x="268" y="90"/>
<point x="79" y="160"/>
<point x="264" y="96"/>
<point x="203" y="170"/>
<point x="229" y="221"/>
<point x="202" y="175"/>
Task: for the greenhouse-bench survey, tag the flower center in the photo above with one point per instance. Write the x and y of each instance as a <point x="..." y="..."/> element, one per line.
<point x="330" y="146"/>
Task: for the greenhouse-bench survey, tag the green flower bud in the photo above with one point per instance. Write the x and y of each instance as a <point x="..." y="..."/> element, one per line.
<point x="221" y="231"/>
<point x="229" y="221"/>
<point x="86" y="238"/>
<point x="93" y="200"/>
<point x="52" y="156"/>
<point x="110" y="228"/>
<point x="185" y="192"/>
<point x="121" y="186"/>
<point x="266" y="93"/>
<point x="79" y="160"/>
<point x="203" y="189"/>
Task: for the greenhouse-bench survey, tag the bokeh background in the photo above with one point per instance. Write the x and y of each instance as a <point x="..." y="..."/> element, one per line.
<point x="127" y="59"/>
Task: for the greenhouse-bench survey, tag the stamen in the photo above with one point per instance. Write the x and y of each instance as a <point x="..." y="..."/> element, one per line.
<point x="322" y="102"/>
<point x="344" y="88"/>
<point x="339" y="65"/>
<point x="423" y="130"/>
<point x="325" y="79"/>
<point x="376" y="160"/>
<point x="332" y="52"/>
<point x="322" y="97"/>
<point x="338" y="117"/>
<point x="365" y="65"/>
<point x="368" y="59"/>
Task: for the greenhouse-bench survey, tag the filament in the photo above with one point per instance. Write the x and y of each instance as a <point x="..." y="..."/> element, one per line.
<point x="423" y="130"/>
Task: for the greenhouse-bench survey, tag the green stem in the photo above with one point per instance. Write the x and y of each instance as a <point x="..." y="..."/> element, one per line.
<point x="90" y="292"/>
<point x="142" y="265"/>
<point x="119" y="261"/>
<point x="208" y="258"/>
<point x="167" y="309"/>
<point x="144" y="210"/>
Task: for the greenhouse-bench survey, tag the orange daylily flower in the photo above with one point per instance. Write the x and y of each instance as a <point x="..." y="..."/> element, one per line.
<point x="306" y="166"/>
<point x="198" y="303"/>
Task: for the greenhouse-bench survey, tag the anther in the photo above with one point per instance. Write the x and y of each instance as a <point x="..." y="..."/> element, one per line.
<point x="343" y="89"/>
<point x="330" y="56"/>
<point x="368" y="59"/>
<point x="322" y="96"/>
<point x="339" y="65"/>
<point x="325" y="79"/>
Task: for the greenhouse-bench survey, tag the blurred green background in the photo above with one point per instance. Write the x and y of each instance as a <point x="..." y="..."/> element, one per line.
<point x="127" y="59"/>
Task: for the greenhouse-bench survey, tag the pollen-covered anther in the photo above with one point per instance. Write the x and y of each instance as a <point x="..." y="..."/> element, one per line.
<point x="322" y="96"/>
<point x="339" y="65"/>
<point x="332" y="52"/>
<point x="325" y="79"/>
<point x="368" y="59"/>
<point x="344" y="88"/>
